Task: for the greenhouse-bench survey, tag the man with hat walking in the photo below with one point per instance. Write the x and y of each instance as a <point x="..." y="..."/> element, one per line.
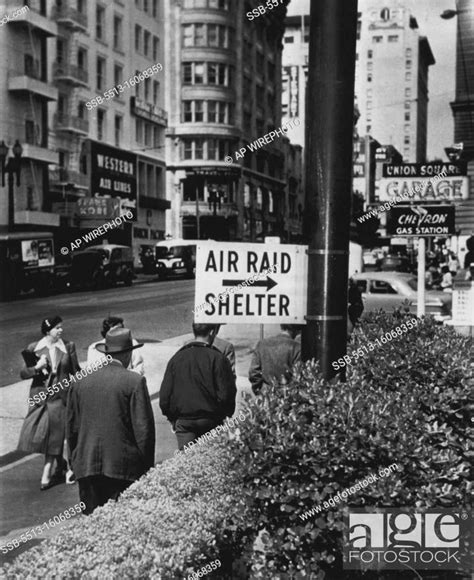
<point x="110" y="426"/>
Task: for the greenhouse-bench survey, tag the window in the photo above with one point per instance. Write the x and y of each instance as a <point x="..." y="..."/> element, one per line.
<point x="154" y="8"/>
<point x="145" y="6"/>
<point x="100" y="80"/>
<point x="406" y="140"/>
<point x="146" y="42"/>
<point x="408" y="52"/>
<point x="198" y="111"/>
<point x="369" y="78"/>
<point x="370" y="65"/>
<point x="408" y="63"/>
<point x="369" y="93"/>
<point x="138" y="89"/>
<point x="393" y="37"/>
<point x="289" y="39"/>
<point x="212" y="35"/>
<point x="188" y="36"/>
<point x="100" y="22"/>
<point x="370" y="53"/>
<point x="199" y="35"/>
<point x="118" y="74"/>
<point x="156" y="44"/>
<point x="198" y="73"/>
<point x="82" y="59"/>
<point x="407" y="128"/>
<point x="156" y="92"/>
<point x="139" y="131"/>
<point x="187" y="111"/>
<point x="369" y="128"/>
<point x="407" y="116"/>
<point x="138" y="38"/>
<point x="381" y="287"/>
<point x="188" y="73"/>
<point x="407" y="105"/>
<point x="408" y="76"/>
<point x="117" y="33"/>
<point x="369" y="104"/>
<point x="156" y="137"/>
<point x="377" y="39"/>
<point x="147" y="85"/>
<point x="60" y="50"/>
<point x="118" y="130"/>
<point x="148" y="135"/>
<point x="408" y="92"/>
<point x="212" y="115"/>
<point x="100" y="124"/>
<point x="81" y="110"/>
<point x="199" y="149"/>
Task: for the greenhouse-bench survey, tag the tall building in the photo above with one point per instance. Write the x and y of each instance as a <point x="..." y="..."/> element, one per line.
<point x="94" y="156"/>
<point x="463" y="108"/>
<point x="223" y="76"/>
<point x="392" y="77"/>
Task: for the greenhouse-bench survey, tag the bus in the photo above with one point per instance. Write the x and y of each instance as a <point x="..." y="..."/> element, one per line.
<point x="176" y="258"/>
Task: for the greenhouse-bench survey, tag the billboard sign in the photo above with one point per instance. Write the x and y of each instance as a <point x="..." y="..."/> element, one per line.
<point x="421" y="220"/>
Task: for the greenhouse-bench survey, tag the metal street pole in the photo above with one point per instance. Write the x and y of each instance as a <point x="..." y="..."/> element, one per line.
<point x="11" y="201"/>
<point x="197" y="213"/>
<point x="420" y="294"/>
<point x="329" y="144"/>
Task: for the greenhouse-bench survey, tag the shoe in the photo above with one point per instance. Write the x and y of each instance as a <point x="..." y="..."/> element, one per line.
<point x="45" y="486"/>
<point x="70" y="477"/>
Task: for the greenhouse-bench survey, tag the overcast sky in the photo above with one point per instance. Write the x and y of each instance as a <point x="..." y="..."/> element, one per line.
<point x="441" y="35"/>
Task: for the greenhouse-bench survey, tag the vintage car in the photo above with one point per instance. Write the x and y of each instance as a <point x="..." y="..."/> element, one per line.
<point x="101" y="266"/>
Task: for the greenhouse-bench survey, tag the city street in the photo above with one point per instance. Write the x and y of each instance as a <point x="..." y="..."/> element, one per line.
<point x="154" y="311"/>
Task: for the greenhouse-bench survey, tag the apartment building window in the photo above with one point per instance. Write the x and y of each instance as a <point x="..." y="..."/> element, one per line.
<point x="146" y="42"/>
<point x="60" y="50"/>
<point x="139" y="131"/>
<point x="212" y="35"/>
<point x="393" y="37"/>
<point x="145" y="6"/>
<point x="407" y="128"/>
<point x="408" y="63"/>
<point x="118" y="28"/>
<point x="199" y="38"/>
<point x="407" y="105"/>
<point x="369" y="78"/>
<point x="82" y="59"/>
<point x="100" y="73"/>
<point x="377" y="39"/>
<point x="154" y="8"/>
<point x="289" y="39"/>
<point x="100" y="124"/>
<point x="214" y="4"/>
<point x="156" y="44"/>
<point x="100" y="22"/>
<point x="406" y="140"/>
<point x="369" y="104"/>
<point x="156" y="92"/>
<point x="370" y="65"/>
<point x="81" y="110"/>
<point x="156" y="137"/>
<point x="210" y="149"/>
<point x="199" y="73"/>
<point x="118" y="130"/>
<point x="147" y="85"/>
<point x="407" y="92"/>
<point x="118" y="74"/>
<point x="198" y="111"/>
<point x="138" y="89"/>
<point x="148" y="135"/>
<point x="138" y="38"/>
<point x="407" y="116"/>
<point x="408" y="52"/>
<point x="369" y="93"/>
<point x="369" y="128"/>
<point x="370" y="54"/>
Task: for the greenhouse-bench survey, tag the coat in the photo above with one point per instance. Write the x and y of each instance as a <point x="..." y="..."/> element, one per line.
<point x="110" y="426"/>
<point x="50" y="419"/>
<point x="227" y="349"/>
<point x="198" y="384"/>
<point x="273" y="358"/>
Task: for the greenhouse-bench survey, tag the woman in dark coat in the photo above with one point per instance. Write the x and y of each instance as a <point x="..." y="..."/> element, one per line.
<point x="43" y="430"/>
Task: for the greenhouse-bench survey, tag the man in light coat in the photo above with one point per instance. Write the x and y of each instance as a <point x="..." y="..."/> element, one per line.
<point x="110" y="426"/>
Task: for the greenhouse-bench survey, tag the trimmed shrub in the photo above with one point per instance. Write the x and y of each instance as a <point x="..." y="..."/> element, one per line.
<point x="404" y="403"/>
<point x="171" y="522"/>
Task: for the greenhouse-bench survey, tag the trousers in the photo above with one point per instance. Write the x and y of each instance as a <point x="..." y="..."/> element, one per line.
<point x="188" y="430"/>
<point x="96" y="490"/>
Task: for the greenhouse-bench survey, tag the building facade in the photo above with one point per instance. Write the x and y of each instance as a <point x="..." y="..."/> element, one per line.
<point x="223" y="76"/>
<point x="84" y="50"/>
<point x="392" y="77"/>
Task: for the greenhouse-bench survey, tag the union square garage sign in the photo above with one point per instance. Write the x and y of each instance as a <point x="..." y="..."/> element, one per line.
<point x="421" y="220"/>
<point x="424" y="182"/>
<point x="114" y="175"/>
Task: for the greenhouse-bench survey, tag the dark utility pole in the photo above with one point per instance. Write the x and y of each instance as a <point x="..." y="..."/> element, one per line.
<point x="329" y="142"/>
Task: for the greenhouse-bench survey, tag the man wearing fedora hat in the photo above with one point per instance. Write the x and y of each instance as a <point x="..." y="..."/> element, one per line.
<point x="110" y="425"/>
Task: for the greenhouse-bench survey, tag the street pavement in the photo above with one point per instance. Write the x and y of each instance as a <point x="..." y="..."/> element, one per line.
<point x="23" y="505"/>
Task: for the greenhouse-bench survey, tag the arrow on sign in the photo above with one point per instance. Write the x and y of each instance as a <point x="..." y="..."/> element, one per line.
<point x="269" y="283"/>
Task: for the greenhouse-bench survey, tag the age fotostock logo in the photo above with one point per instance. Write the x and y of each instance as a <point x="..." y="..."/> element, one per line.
<point x="402" y="538"/>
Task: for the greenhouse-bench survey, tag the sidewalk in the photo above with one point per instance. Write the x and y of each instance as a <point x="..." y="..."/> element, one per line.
<point x="23" y="504"/>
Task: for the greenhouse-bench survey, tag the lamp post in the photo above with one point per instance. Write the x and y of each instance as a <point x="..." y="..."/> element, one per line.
<point x="11" y="167"/>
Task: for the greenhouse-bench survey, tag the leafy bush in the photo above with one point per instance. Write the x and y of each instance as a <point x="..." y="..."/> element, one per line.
<point x="168" y="524"/>
<point x="242" y="496"/>
<point x="404" y="403"/>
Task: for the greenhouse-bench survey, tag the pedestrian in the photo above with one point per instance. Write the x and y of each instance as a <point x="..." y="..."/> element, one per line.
<point x="198" y="389"/>
<point x="453" y="264"/>
<point x="226" y="348"/>
<point x="49" y="361"/>
<point x="447" y="279"/>
<point x="274" y="357"/>
<point x="110" y="425"/>
<point x="94" y="356"/>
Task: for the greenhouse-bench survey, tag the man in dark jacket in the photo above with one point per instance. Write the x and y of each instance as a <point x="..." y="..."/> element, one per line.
<point x="198" y="389"/>
<point x="273" y="357"/>
<point x="110" y="426"/>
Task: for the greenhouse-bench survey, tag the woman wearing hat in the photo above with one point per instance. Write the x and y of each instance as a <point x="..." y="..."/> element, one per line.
<point x="48" y="362"/>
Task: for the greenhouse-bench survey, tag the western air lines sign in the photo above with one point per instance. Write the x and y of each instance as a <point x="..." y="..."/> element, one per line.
<point x="245" y="283"/>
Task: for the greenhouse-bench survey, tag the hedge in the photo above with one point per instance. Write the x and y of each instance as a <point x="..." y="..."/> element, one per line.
<point x="241" y="496"/>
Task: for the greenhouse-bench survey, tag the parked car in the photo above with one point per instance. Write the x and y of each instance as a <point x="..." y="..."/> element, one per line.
<point x="101" y="266"/>
<point x="388" y="290"/>
<point x="395" y="263"/>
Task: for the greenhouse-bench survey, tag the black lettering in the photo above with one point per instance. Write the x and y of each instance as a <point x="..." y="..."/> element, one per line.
<point x="271" y="305"/>
<point x="285" y="263"/>
<point x="259" y="298"/>
<point x="238" y="304"/>
<point x="284" y="303"/>
<point x="211" y="262"/>
<point x="248" y="312"/>
<point x="265" y="262"/>
<point x="233" y="257"/>
<point x="225" y="305"/>
<point x="210" y="304"/>
<point x="252" y="262"/>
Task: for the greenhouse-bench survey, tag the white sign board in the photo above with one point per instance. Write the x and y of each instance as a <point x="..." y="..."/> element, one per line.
<point x="250" y="283"/>
<point x="451" y="188"/>
<point x="463" y="303"/>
